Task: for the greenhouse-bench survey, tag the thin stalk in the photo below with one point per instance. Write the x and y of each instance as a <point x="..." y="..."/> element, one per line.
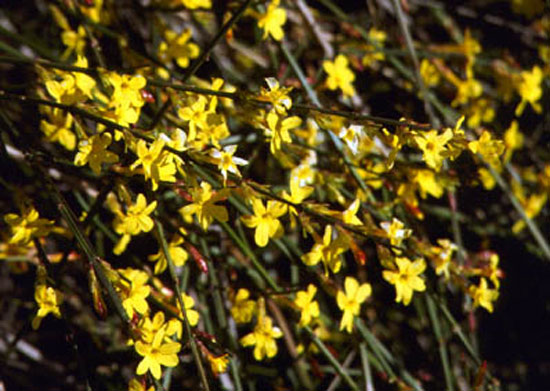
<point x="369" y="386"/>
<point x="338" y="379"/>
<point x="328" y="355"/>
<point x="187" y="326"/>
<point x="206" y="52"/>
<point x="86" y="246"/>
<point x="533" y="227"/>
<point x="298" y="361"/>
<point x="458" y="331"/>
<point x="432" y="312"/>
<point x="383" y="356"/>
<point x="313" y="97"/>
<point x="412" y="52"/>
<point x="248" y="251"/>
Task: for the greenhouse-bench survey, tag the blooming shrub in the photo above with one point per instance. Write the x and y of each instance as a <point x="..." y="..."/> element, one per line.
<point x="266" y="192"/>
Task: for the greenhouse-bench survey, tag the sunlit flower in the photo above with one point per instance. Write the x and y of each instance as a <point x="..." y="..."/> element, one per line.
<point x="483" y="296"/>
<point x="309" y="308"/>
<point x="265" y="220"/>
<point x="155" y="354"/>
<point x="272" y="21"/>
<point x="530" y="90"/>
<point x="433" y="147"/>
<point x="204" y="205"/>
<point x="350" y="301"/>
<point x="243" y="308"/>
<point x="28" y="226"/>
<point x="48" y="300"/>
<point x="263" y="338"/>
<point x="93" y="151"/>
<point x="227" y="162"/>
<point x="339" y="75"/>
<point x="406" y="278"/>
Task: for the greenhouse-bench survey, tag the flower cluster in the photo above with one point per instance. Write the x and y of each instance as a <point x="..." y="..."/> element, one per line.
<point x="222" y="187"/>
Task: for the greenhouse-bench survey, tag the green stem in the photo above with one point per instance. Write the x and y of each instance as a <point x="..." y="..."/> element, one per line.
<point x="248" y="252"/>
<point x="206" y="52"/>
<point x="328" y="355"/>
<point x="366" y="367"/>
<point x="458" y="331"/>
<point x="86" y="246"/>
<point x="432" y="312"/>
<point x="187" y="326"/>
<point x="535" y="231"/>
<point x="313" y="97"/>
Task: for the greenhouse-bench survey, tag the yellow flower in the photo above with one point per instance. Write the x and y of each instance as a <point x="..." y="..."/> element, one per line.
<point x="489" y="148"/>
<point x="278" y="129"/>
<point x="177" y="253"/>
<point x="139" y="385"/>
<point x="278" y="96"/>
<point x="374" y="52"/>
<point x="196" y="114"/>
<point x="466" y="89"/>
<point x="218" y="364"/>
<point x="84" y="83"/>
<point x="351" y="136"/>
<point x="483" y="296"/>
<point x="272" y="21"/>
<point x="126" y="99"/>
<point x="327" y="251"/>
<point x="64" y="90"/>
<point x="157" y="164"/>
<point x="127" y="89"/>
<point x="530" y="90"/>
<point x="430" y="74"/>
<point x="48" y="300"/>
<point x="28" y="226"/>
<point x="133" y="222"/>
<point x="406" y="278"/>
<point x="532" y="206"/>
<point x="263" y="338"/>
<point x="74" y="40"/>
<point x="395" y="231"/>
<point x="93" y="151"/>
<point x="487" y="179"/>
<point x="192" y="314"/>
<point x="265" y="220"/>
<point x="149" y="328"/>
<point x="242" y="308"/>
<point x="427" y="183"/>
<point x="349" y="215"/>
<point x="480" y="110"/>
<point x="134" y="291"/>
<point x="309" y="308"/>
<point x="513" y="139"/>
<point x="297" y="194"/>
<point x="155" y="354"/>
<point x="442" y="255"/>
<point x="433" y="146"/>
<point x="194" y="4"/>
<point x="350" y="301"/>
<point x="174" y="326"/>
<point x="227" y="162"/>
<point x="204" y="205"/>
<point x="177" y="47"/>
<point x="57" y="128"/>
<point x="339" y="75"/>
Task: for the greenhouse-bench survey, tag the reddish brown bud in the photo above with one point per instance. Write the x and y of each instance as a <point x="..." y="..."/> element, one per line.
<point x="99" y="305"/>
<point x="197" y="257"/>
<point x="149" y="98"/>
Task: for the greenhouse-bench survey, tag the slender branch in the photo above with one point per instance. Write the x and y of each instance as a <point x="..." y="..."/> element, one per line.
<point x="187" y="326"/>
